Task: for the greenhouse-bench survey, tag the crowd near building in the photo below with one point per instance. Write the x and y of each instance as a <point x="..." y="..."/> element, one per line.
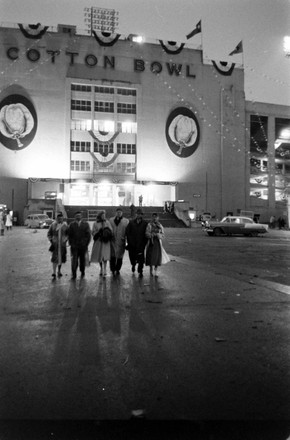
<point x="101" y="120"/>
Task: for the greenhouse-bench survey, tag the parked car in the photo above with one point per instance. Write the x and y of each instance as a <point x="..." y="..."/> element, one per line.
<point x="235" y="225"/>
<point x="38" y="221"/>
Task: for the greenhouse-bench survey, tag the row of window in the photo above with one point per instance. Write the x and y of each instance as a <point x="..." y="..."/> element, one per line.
<point x="102" y="89"/>
<point x="85" y="147"/>
<point x="102" y="106"/>
<point x="88" y="124"/>
<point x="121" y="167"/>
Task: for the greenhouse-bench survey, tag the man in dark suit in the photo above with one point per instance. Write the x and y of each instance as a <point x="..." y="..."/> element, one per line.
<point x="136" y="239"/>
<point x="79" y="236"/>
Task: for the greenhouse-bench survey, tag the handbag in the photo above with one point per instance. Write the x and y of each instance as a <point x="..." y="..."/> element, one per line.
<point x="51" y="248"/>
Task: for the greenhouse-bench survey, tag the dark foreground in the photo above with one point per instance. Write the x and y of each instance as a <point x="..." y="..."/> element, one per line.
<point x="202" y="351"/>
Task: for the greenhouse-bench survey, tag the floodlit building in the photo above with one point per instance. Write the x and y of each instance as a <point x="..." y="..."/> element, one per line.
<point x="100" y="120"/>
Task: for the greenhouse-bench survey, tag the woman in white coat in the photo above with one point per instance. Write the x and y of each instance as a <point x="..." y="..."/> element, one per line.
<point x="119" y="225"/>
<point x="102" y="234"/>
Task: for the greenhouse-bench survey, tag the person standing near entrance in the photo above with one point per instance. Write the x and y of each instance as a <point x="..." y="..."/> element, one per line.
<point x="102" y="234"/>
<point x="119" y="225"/>
<point x="58" y="236"/>
<point x="79" y="235"/>
<point x="136" y="239"/>
<point x="9" y="220"/>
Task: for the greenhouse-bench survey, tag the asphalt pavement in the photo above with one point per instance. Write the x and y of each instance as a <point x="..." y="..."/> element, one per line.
<point x="208" y="340"/>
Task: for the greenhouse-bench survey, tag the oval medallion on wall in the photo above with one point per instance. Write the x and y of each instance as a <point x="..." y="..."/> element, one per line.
<point x="182" y="132"/>
<point x="18" y="122"/>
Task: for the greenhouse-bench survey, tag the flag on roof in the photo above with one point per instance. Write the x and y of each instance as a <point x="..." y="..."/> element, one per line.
<point x="195" y="31"/>
<point x="238" y="49"/>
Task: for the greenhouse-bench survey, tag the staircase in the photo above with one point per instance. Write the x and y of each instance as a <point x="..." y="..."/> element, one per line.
<point x="167" y="219"/>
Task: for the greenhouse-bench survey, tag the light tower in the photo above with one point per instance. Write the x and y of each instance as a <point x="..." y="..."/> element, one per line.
<point x="101" y="19"/>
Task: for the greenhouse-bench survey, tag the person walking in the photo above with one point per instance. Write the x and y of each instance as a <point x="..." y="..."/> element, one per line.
<point x="272" y="222"/>
<point x="58" y="236"/>
<point x="119" y="225"/>
<point x="102" y="233"/>
<point x="136" y="239"/>
<point x="8" y="222"/>
<point x="2" y="221"/>
<point x="79" y="235"/>
<point x="132" y="211"/>
<point x="155" y="253"/>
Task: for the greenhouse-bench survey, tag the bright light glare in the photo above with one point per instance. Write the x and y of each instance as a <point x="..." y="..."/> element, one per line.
<point x="286" y="46"/>
<point x="285" y="133"/>
<point x="137" y="39"/>
<point x="106" y="126"/>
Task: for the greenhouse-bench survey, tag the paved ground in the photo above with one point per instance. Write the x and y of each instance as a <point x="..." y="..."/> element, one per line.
<point x="206" y="341"/>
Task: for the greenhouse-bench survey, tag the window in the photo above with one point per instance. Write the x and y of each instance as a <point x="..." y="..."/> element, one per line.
<point x="126" y="108"/>
<point x="104" y="106"/>
<point x="108" y="90"/>
<point x="80" y="146"/>
<point x="282" y="138"/>
<point x="126" y="92"/>
<point x="104" y="149"/>
<point x="98" y="168"/>
<point x="258" y="132"/>
<point x="80" y="105"/>
<point x="80" y="165"/>
<point x="81" y="124"/>
<point x="126" y="148"/>
<point x="126" y="167"/>
<point x="104" y="126"/>
<point x="81" y="88"/>
<point x="127" y="127"/>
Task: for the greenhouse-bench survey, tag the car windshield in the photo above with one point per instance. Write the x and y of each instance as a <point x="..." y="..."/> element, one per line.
<point x="43" y="217"/>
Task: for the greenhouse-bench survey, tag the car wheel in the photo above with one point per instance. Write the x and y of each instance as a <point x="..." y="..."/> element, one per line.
<point x="254" y="234"/>
<point x="217" y="232"/>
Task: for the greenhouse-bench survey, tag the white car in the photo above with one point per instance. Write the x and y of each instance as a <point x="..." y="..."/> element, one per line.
<point x="38" y="221"/>
<point x="235" y="225"/>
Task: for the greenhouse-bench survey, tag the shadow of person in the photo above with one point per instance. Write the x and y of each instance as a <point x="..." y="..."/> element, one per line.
<point x="108" y="307"/>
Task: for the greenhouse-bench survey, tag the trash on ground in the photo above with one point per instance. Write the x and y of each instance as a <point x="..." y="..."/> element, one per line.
<point x="220" y="339"/>
<point x="153" y="302"/>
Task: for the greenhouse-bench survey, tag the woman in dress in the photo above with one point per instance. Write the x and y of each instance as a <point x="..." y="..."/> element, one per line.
<point x="58" y="236"/>
<point x="102" y="234"/>
<point x="155" y="254"/>
<point x="9" y="221"/>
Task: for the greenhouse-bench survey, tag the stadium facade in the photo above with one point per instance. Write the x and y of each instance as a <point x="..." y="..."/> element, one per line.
<point x="99" y="120"/>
